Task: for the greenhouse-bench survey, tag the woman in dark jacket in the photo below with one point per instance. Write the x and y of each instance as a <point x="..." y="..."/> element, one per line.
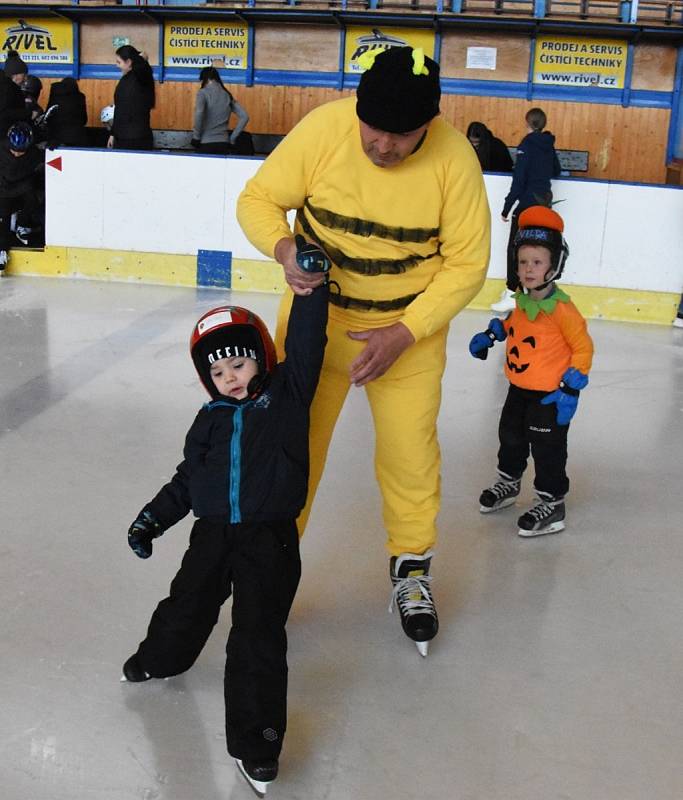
<point x="66" y="124"/>
<point x="133" y="101"/>
<point x="492" y="153"/>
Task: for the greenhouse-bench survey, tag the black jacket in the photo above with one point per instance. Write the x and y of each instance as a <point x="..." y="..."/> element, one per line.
<point x="132" y="106"/>
<point x="66" y="125"/>
<point x="536" y="164"/>
<point x="12" y="104"/>
<point x="247" y="460"/>
<point x="20" y="174"/>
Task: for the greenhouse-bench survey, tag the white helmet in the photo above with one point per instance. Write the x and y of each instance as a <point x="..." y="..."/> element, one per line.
<point x="107" y="115"/>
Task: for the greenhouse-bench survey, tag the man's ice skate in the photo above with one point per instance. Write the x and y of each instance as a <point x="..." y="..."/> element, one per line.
<point x="506" y="303"/>
<point x="22" y="233"/>
<point x="547" y="516"/>
<point x="3" y="261"/>
<point x="258" y="774"/>
<point x="412" y="594"/>
<point x="133" y="671"/>
<point x="503" y="493"/>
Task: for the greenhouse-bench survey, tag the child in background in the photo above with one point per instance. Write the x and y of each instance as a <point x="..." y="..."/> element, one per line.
<point x="548" y="357"/>
<point x="536" y="163"/>
<point x="245" y="477"/>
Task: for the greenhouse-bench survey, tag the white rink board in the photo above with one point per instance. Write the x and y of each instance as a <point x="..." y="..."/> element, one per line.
<point x="620" y="235"/>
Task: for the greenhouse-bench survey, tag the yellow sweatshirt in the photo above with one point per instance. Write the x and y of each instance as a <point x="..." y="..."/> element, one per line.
<point x="413" y="238"/>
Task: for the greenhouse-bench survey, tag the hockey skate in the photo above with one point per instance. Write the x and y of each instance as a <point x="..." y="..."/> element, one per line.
<point x="506" y="303"/>
<point x="3" y="261"/>
<point x="412" y="594"/>
<point x="501" y="494"/>
<point x="547" y="516"/>
<point x="258" y="774"/>
<point x="133" y="671"/>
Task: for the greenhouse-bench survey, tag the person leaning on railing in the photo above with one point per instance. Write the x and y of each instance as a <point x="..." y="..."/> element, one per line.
<point x="213" y="109"/>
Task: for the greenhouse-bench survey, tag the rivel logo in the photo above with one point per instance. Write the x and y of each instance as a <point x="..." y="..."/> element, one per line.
<point x="28" y="38"/>
<point x="376" y="41"/>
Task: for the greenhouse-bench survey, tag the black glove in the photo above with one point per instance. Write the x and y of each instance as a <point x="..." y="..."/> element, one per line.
<point x="141" y="532"/>
<point x="195" y="143"/>
<point x="309" y="257"/>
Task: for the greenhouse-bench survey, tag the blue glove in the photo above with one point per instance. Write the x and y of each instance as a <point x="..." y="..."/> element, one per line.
<point x="141" y="532"/>
<point x="480" y="342"/>
<point x="567" y="396"/>
<point x="309" y="257"/>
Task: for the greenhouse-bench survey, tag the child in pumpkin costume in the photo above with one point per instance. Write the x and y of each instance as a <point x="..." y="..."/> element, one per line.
<point x="548" y="357"/>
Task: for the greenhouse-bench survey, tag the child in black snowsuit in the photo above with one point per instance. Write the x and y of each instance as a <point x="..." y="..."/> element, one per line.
<point x="245" y="478"/>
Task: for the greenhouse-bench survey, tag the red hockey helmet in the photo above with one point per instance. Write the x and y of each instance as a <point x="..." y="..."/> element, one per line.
<point x="226" y="332"/>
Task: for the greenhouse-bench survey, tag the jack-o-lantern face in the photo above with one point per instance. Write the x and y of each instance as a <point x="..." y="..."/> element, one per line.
<point x="513" y="354"/>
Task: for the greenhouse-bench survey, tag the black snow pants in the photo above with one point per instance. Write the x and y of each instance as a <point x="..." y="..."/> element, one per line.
<point x="260" y="564"/>
<point x="526" y="425"/>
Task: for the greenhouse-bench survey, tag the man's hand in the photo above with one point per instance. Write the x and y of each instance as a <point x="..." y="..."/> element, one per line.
<point x="301" y="282"/>
<point x="384" y="346"/>
<point x="110" y="142"/>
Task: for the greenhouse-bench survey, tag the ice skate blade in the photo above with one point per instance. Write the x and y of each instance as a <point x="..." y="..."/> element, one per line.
<point x="488" y="510"/>
<point x="423" y="648"/>
<point x="258" y="787"/>
<point x="555" y="527"/>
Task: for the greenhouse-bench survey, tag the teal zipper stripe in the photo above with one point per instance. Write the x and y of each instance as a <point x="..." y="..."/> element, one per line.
<point x="235" y="466"/>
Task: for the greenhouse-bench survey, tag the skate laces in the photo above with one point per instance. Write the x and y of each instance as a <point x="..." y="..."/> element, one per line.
<point x="541" y="510"/>
<point x="412" y="595"/>
<point x="502" y="489"/>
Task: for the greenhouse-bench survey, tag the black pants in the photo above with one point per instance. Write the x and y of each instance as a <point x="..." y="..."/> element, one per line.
<point x="216" y="148"/>
<point x="139" y="143"/>
<point x="31" y="214"/>
<point x="260" y="563"/>
<point x="512" y="279"/>
<point x="526" y="425"/>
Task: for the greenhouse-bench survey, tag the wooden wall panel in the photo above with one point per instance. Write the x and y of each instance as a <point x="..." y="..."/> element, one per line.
<point x="97" y="35"/>
<point x="296" y="47"/>
<point x="654" y="67"/>
<point x="626" y="144"/>
<point x="512" y="57"/>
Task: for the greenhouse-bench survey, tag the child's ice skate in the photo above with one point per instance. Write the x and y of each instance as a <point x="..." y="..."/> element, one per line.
<point x="258" y="774"/>
<point x="412" y="594"/>
<point x="133" y="671"/>
<point x="501" y="494"/>
<point x="547" y="516"/>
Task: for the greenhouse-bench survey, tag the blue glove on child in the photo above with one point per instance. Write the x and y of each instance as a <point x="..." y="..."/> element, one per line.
<point x="567" y="396"/>
<point x="480" y="342"/>
<point x="309" y="257"/>
<point x="141" y="532"/>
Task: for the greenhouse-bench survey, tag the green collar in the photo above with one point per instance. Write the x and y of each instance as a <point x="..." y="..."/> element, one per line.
<point x="532" y="307"/>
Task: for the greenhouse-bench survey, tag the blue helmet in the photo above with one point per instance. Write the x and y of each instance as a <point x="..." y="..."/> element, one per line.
<point x="20" y="136"/>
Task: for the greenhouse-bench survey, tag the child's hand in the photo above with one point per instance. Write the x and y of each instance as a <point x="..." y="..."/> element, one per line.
<point x="141" y="532"/>
<point x="481" y="342"/>
<point x="567" y="396"/>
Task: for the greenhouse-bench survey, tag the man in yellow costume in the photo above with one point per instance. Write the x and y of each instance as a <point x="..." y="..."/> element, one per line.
<point x="395" y="197"/>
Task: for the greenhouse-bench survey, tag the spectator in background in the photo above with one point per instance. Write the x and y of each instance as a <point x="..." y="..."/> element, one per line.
<point x="134" y="99"/>
<point x="22" y="190"/>
<point x="12" y="103"/>
<point x="32" y="86"/>
<point x="535" y="165"/>
<point x="66" y="124"/>
<point x="492" y="153"/>
<point x="213" y="108"/>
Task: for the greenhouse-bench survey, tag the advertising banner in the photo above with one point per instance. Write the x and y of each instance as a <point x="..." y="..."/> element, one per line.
<point x="360" y="39"/>
<point x="575" y="61"/>
<point x="39" y="40"/>
<point x="202" y="43"/>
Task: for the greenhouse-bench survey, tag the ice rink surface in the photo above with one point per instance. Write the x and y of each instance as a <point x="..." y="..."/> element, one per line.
<point x="556" y="674"/>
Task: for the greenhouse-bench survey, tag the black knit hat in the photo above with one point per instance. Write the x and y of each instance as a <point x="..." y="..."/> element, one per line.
<point x="400" y="91"/>
<point x="14" y="65"/>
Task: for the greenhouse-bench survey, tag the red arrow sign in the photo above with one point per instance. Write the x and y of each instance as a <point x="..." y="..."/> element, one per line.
<point x="56" y="163"/>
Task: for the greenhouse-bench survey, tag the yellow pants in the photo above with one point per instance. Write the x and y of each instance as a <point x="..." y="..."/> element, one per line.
<point x="404" y="403"/>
